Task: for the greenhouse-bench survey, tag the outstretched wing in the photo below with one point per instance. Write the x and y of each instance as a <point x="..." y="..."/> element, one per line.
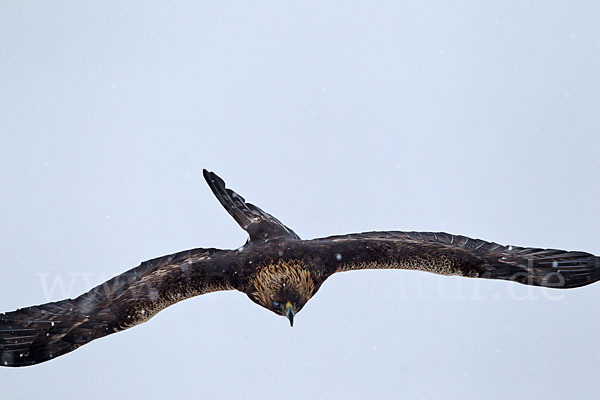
<point x="261" y="226"/>
<point x="447" y="254"/>
<point x="35" y="334"/>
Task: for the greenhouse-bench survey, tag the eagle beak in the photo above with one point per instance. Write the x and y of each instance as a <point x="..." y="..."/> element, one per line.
<point x="289" y="312"/>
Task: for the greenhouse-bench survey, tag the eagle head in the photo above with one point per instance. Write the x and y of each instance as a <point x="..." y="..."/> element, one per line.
<point x="283" y="287"/>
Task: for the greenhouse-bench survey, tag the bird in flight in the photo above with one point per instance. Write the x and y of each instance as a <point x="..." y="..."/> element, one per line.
<point x="275" y="269"/>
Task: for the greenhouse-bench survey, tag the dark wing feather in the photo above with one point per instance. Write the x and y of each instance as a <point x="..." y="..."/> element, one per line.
<point x="35" y="334"/>
<point x="261" y="226"/>
<point x="448" y="254"/>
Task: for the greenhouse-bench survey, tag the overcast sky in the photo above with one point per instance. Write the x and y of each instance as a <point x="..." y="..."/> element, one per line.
<point x="476" y="118"/>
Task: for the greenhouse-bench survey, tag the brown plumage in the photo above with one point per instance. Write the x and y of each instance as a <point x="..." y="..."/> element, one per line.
<point x="277" y="270"/>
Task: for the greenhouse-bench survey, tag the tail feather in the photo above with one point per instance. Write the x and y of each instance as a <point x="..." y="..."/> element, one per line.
<point x="259" y="224"/>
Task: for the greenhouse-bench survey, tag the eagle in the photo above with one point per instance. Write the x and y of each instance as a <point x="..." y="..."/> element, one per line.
<point x="277" y="270"/>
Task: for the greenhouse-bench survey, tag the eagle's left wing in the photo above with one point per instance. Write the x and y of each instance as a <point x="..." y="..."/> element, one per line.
<point x="447" y="254"/>
<point x="35" y="334"/>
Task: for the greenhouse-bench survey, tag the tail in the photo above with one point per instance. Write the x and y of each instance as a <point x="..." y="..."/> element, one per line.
<point x="259" y="224"/>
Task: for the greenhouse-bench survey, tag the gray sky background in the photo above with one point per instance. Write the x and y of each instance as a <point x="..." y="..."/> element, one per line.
<point x="477" y="118"/>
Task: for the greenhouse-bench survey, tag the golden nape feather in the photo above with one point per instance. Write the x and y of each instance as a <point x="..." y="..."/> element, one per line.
<point x="270" y="279"/>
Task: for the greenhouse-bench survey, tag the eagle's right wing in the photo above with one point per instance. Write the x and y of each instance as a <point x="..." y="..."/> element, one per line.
<point x="36" y="334"/>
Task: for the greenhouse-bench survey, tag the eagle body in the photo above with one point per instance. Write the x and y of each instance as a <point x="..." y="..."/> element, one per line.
<point x="275" y="269"/>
